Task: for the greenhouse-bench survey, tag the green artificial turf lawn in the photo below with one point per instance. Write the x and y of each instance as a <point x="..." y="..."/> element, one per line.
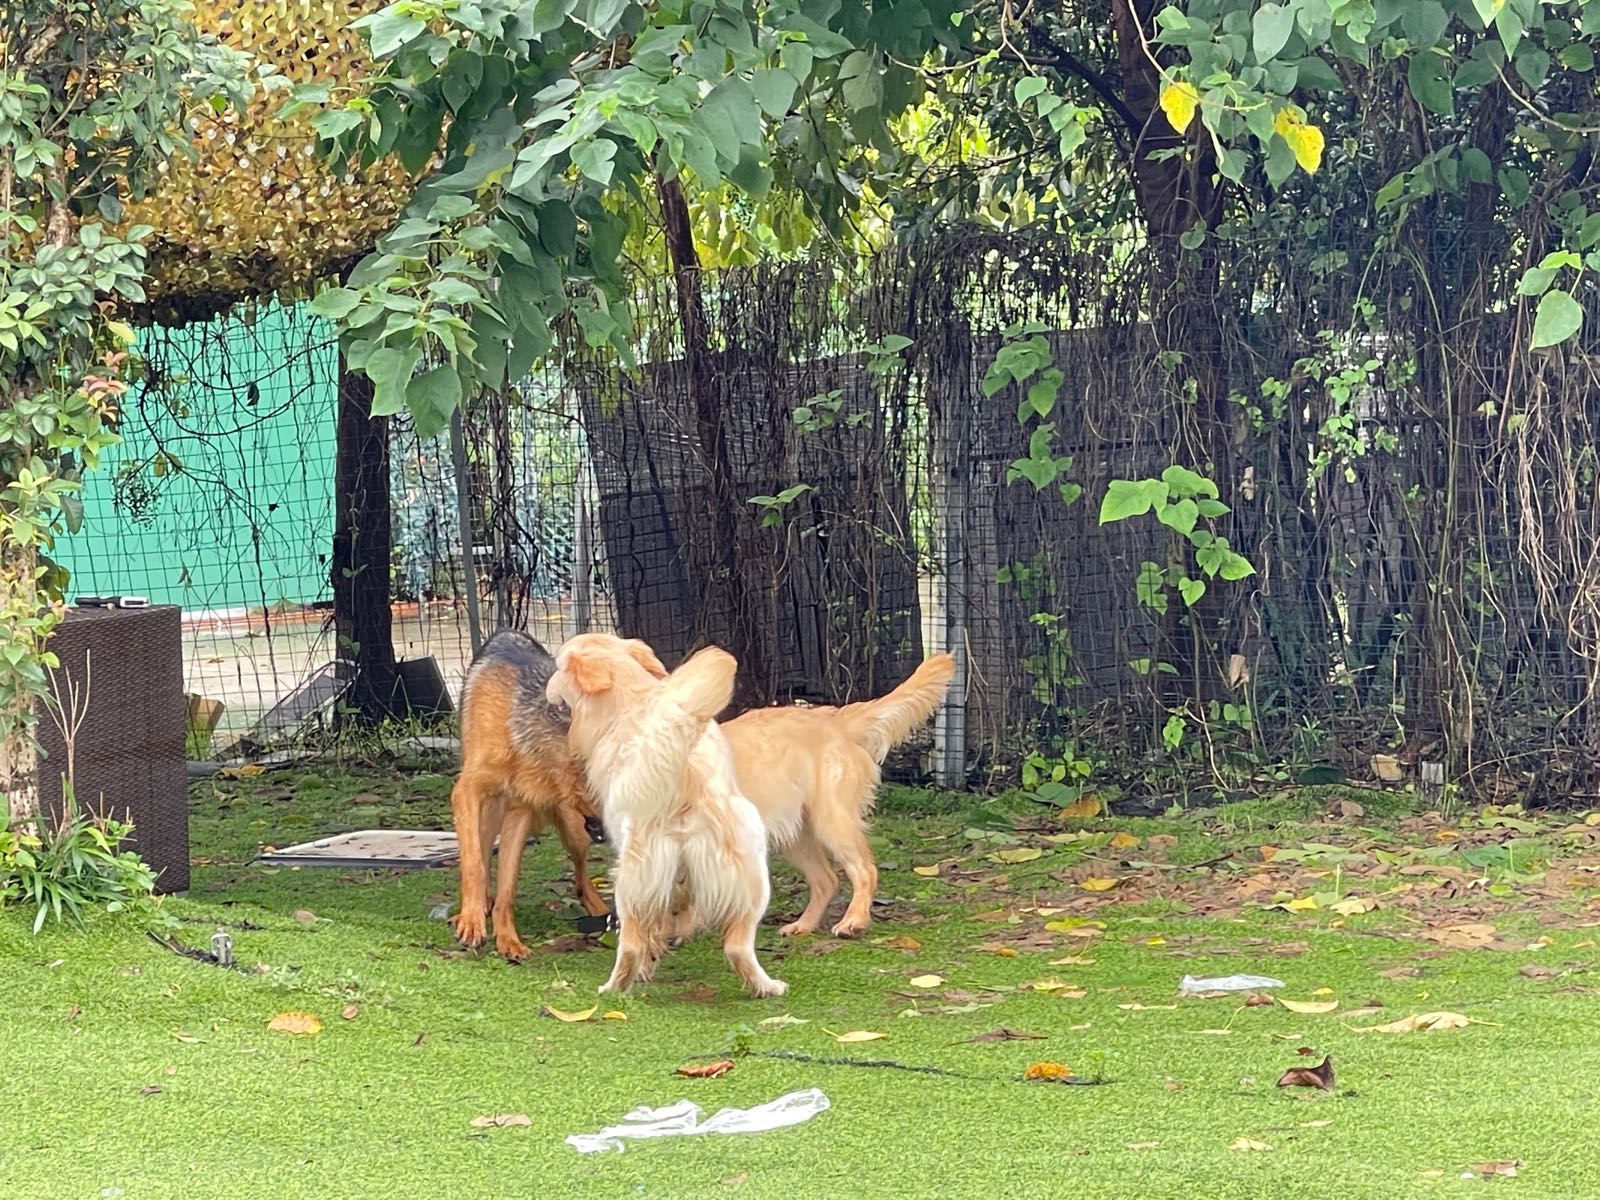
<point x="381" y="1104"/>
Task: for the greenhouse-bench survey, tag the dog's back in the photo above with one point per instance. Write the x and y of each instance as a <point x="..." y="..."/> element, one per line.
<point x="505" y="693"/>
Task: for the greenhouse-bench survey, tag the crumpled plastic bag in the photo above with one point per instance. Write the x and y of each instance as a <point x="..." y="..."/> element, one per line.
<point x="683" y="1119"/>
<point x="1228" y="983"/>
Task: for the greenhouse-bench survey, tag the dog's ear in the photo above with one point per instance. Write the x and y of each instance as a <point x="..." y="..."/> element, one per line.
<point x="641" y="653"/>
<point x="590" y="673"/>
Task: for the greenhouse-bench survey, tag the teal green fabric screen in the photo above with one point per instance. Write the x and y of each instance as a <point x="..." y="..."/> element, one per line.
<point x="221" y="496"/>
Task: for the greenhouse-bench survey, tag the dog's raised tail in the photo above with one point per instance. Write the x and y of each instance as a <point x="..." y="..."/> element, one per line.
<point x="882" y="724"/>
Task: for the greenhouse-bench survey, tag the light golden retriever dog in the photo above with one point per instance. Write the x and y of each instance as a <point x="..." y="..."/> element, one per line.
<point x="691" y="850"/>
<point x="813" y="774"/>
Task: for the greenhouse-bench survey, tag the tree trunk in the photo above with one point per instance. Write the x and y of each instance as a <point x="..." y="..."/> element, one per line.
<point x="1175" y="193"/>
<point x="19" y="755"/>
<point x="362" y="540"/>
<point x="747" y="626"/>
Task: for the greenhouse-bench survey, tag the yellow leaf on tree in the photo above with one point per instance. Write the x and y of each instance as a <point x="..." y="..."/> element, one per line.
<point x="1179" y="101"/>
<point x="1123" y="841"/>
<point x="1304" y="140"/>
<point x="571" y="1018"/>
<point x="859" y="1035"/>
<point x="927" y="981"/>
<point x="1310" y="1006"/>
<point x="1099" y="884"/>
<point x="303" y="1024"/>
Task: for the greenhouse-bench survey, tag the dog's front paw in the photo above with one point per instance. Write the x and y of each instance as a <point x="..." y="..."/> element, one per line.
<point x="511" y="946"/>
<point x="797" y="929"/>
<point x="470" y="929"/>
<point x="768" y="988"/>
<point x="849" y="928"/>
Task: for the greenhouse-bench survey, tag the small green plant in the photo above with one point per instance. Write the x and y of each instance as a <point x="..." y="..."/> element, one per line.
<point x="1181" y="500"/>
<point x="772" y="507"/>
<point x="1060" y="779"/>
<point x="80" y="866"/>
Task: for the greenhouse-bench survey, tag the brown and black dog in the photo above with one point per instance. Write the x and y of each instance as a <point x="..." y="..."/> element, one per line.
<point x="517" y="777"/>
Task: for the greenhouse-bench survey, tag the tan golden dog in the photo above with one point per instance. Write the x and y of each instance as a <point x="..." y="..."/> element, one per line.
<point x="518" y="776"/>
<point x="813" y="774"/>
<point x="691" y="849"/>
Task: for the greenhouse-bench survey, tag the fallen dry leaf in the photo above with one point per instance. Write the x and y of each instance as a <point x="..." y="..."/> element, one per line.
<point x="350" y="1012"/>
<point x="500" y="1120"/>
<point x="1354" y="906"/>
<point x="706" y="1070"/>
<point x="1259" y="1000"/>
<point x="151" y="1090"/>
<point x="1419" y="1022"/>
<point x="927" y="981"/>
<point x="1319" y="1076"/>
<point x="305" y="916"/>
<point x="927" y="872"/>
<point x="1401" y="973"/>
<point x="1046" y="1070"/>
<point x="1487" y="1170"/>
<point x="1387" y="769"/>
<point x="1310" y="1007"/>
<point x="903" y="943"/>
<point x="302" y="1024"/>
<point x="1537" y="972"/>
<point x="1083" y="808"/>
<point x="1298" y="905"/>
<point x="1099" y="884"/>
<point x="1472" y="936"/>
<point x="243" y="771"/>
<point x="1021" y="854"/>
<point x="739" y="1180"/>
<point x="1076" y="927"/>
<point x="1058" y="987"/>
<point x="1007" y="1035"/>
<point x="571" y="1018"/>
<point x="614" y="1015"/>
<point x="1245" y="1143"/>
<point x="1123" y="841"/>
<point x="1072" y="960"/>
<point x="1143" y="1145"/>
<point x="782" y="1021"/>
<point x="859" y="1035"/>
<point x="1148" y="1007"/>
<point x="185" y="1037"/>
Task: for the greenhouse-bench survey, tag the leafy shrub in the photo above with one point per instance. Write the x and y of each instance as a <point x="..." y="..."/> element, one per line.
<point x="78" y="867"/>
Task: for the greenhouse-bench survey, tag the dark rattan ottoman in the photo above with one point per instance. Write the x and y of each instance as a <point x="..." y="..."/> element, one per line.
<point x="130" y="746"/>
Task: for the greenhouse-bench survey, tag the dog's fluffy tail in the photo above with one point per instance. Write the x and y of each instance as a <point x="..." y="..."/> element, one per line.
<point x="882" y="724"/>
<point x="703" y="685"/>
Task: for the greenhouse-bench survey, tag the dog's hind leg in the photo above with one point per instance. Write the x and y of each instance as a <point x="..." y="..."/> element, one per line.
<point x="739" y="947"/>
<point x="575" y="837"/>
<point x="846" y="840"/>
<point x="632" y="959"/>
<point x="822" y="880"/>
<point x="476" y="806"/>
<point x="514" y="833"/>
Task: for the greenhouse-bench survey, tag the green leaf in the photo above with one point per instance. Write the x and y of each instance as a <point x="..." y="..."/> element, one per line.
<point x="1191" y="590"/>
<point x="1558" y="318"/>
<point x="1424" y="22"/>
<point x="1270" y="30"/>
<point x="1180" y="516"/>
<point x="1130" y="498"/>
<point x="390" y="29"/>
<point x="1042" y="392"/>
<point x="390" y="370"/>
<point x="1536" y="281"/>
<point x="1234" y="566"/>
<point x="1515" y="186"/>
<point x="1577" y="57"/>
<point x="1212" y="508"/>
<point x="1428" y="77"/>
<point x="774" y="89"/>
<point x="335" y="304"/>
<point x="861" y="85"/>
<point x="1151" y="586"/>
<point x="1533" y="64"/>
<point x="1028" y="87"/>
<point x="1181" y="481"/>
<point x="432" y="397"/>
<point x="594" y="159"/>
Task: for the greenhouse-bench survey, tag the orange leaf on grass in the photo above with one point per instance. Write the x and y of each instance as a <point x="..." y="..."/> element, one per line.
<point x="706" y="1070"/>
